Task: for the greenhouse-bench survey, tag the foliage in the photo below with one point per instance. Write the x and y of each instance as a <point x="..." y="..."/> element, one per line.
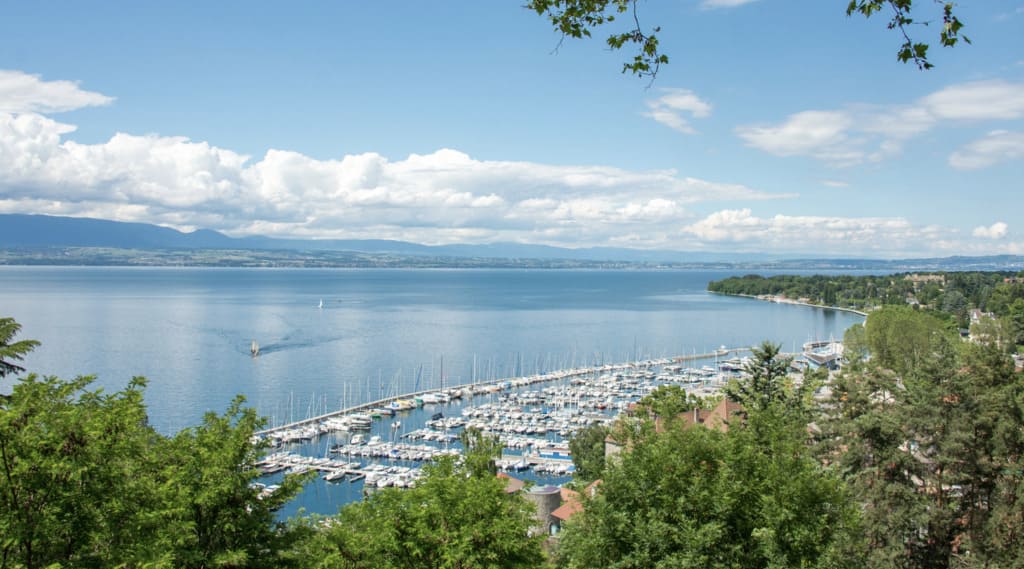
<point x="901" y="20"/>
<point x="855" y="344"/>
<point x="930" y="437"/>
<point x="457" y="516"/>
<point x="85" y="482"/>
<point x="944" y="295"/>
<point x="480" y="452"/>
<point x="577" y="18"/>
<point x="11" y="352"/>
<point x="767" y="381"/>
<point x="587" y="448"/>
<point x="211" y="513"/>
<point x="668" y="401"/>
<point x="903" y="339"/>
<point x="70" y="480"/>
<point x="697" y="497"/>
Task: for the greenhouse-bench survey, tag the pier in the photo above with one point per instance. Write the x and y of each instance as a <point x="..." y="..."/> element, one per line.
<point x="494" y="386"/>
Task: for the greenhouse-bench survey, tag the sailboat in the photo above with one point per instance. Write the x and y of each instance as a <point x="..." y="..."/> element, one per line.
<point x="254" y="348"/>
<point x="321" y="303"/>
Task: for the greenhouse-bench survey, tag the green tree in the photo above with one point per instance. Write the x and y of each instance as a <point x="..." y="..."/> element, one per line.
<point x="210" y="512"/>
<point x="855" y="344"/>
<point x="457" y="516"/>
<point x="901" y="338"/>
<point x="767" y="382"/>
<point x="11" y="351"/>
<point x="750" y="497"/>
<point x="578" y="18"/>
<point x="933" y="451"/>
<point x="72" y="484"/>
<point x="1015" y="322"/>
<point x="85" y="482"/>
<point x="587" y="448"/>
<point x="669" y="401"/>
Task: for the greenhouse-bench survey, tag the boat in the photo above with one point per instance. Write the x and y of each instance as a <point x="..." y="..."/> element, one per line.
<point x="254" y="348"/>
<point x="321" y="303"/>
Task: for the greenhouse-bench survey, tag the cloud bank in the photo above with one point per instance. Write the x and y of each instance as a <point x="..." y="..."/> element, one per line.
<point x="447" y="196"/>
<point x="442" y="197"/>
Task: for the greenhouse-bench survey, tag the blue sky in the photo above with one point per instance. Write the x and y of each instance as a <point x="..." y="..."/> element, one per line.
<point x="780" y="126"/>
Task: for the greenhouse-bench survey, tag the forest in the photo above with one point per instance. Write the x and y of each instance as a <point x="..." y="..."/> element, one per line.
<point x="946" y="295"/>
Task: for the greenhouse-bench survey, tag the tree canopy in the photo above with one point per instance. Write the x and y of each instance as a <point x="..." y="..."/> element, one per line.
<point x="753" y="496"/>
<point x="458" y="516"/>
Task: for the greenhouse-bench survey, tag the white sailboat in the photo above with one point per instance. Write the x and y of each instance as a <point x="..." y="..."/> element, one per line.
<point x="254" y="348"/>
<point x="321" y="303"/>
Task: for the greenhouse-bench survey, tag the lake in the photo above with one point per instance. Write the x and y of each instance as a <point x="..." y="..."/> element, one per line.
<point x="379" y="332"/>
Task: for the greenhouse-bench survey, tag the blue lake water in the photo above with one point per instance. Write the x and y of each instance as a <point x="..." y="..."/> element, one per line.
<point x="380" y="332"/>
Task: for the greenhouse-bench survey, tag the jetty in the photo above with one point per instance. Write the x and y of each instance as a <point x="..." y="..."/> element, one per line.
<point x="492" y="386"/>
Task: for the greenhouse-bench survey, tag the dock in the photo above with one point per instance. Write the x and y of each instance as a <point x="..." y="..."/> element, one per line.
<point x="496" y="385"/>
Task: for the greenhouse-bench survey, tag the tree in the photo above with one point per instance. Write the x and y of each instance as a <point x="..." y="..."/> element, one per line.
<point x="855" y="344"/>
<point x="931" y="445"/>
<point x="86" y="482"/>
<point x="72" y="474"/>
<point x="210" y="512"/>
<point x="457" y="516"/>
<point x="697" y="497"/>
<point x="578" y="18"/>
<point x="767" y="379"/>
<point x="902" y="339"/>
<point x="669" y="401"/>
<point x="11" y="352"/>
<point x="587" y="448"/>
<point x="1015" y="320"/>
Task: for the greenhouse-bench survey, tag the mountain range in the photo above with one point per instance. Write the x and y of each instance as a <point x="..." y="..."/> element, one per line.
<point x="21" y="232"/>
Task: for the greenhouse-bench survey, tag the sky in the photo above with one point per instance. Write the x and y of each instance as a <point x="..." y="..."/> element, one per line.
<point x="779" y="126"/>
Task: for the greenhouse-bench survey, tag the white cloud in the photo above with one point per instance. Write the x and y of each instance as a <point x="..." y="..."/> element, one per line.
<point x="883" y="236"/>
<point x="979" y="100"/>
<point x="995" y="231"/>
<point x="996" y="146"/>
<point x="669" y="109"/>
<point x="24" y="93"/>
<point x="835" y="183"/>
<point x="712" y="4"/>
<point x="869" y="133"/>
<point x="439" y="197"/>
<point x="821" y="134"/>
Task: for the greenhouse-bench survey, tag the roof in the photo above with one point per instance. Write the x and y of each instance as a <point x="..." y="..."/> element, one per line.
<point x="512" y="485"/>
<point x="568" y="510"/>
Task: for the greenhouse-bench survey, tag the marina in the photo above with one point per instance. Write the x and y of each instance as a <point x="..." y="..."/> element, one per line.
<point x="384" y="443"/>
<point x="533" y="417"/>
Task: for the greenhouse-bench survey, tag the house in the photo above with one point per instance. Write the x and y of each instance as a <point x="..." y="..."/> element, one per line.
<point x="572" y="504"/>
<point x="717" y="418"/>
<point x="554" y="505"/>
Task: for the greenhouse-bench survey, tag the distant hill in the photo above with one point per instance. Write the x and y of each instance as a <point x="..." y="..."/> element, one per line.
<point x="19" y="232"/>
<point x="51" y="231"/>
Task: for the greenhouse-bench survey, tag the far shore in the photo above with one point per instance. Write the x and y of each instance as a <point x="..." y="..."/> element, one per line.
<point x="784" y="300"/>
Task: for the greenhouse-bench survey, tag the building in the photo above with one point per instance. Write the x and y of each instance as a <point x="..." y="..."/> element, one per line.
<point x="717" y="418"/>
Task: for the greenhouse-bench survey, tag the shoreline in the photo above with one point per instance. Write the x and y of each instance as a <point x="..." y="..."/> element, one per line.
<point x="784" y="300"/>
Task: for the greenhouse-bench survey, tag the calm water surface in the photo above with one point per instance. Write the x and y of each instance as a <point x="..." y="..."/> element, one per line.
<point x="380" y="331"/>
